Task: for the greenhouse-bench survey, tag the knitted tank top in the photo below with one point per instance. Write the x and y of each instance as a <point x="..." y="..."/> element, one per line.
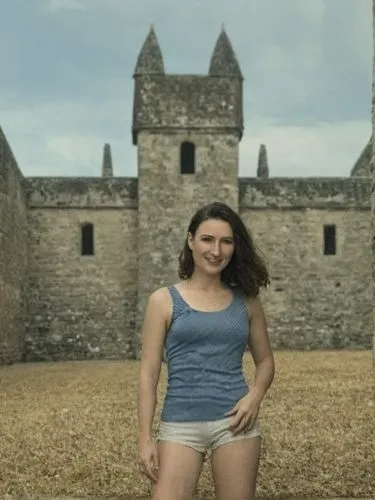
<point x="204" y="357"/>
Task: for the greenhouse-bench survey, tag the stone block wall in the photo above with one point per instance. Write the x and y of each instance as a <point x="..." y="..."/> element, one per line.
<point x="82" y="306"/>
<point x="190" y="102"/>
<point x="315" y="300"/>
<point x="13" y="256"/>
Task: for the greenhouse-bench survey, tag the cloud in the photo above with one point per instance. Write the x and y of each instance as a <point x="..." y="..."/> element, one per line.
<point x="58" y="5"/>
<point x="314" y="150"/>
<point x="67" y="138"/>
<point x="68" y="85"/>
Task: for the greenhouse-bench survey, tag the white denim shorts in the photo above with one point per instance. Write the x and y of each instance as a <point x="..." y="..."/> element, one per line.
<point x="204" y="436"/>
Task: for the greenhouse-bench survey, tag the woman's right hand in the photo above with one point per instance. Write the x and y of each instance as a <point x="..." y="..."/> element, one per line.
<point x="148" y="459"/>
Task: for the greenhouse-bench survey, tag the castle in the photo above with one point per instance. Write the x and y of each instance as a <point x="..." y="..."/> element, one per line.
<point x="79" y="256"/>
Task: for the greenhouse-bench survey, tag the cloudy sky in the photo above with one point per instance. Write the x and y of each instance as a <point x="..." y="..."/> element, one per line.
<point x="66" y="85"/>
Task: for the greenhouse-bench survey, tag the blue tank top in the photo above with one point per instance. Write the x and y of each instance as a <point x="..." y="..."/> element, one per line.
<point x="205" y="360"/>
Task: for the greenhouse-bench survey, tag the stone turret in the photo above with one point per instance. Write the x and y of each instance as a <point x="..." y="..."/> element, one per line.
<point x="262" y="170"/>
<point x="107" y="168"/>
<point x="223" y="60"/>
<point x="150" y="59"/>
<point x="164" y="102"/>
<point x="362" y="165"/>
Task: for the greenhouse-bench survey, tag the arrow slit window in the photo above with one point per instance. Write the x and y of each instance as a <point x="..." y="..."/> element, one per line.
<point x="187" y="158"/>
<point x="330" y="244"/>
<point x="87" y="239"/>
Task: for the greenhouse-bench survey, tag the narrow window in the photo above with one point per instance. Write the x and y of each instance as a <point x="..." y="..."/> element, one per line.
<point x="329" y="239"/>
<point x="187" y="158"/>
<point x="87" y="239"/>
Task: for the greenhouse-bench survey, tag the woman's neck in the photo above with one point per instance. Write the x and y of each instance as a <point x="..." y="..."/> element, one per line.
<point x="203" y="282"/>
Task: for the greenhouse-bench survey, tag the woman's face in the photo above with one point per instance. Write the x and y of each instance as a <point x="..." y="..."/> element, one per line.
<point x="212" y="246"/>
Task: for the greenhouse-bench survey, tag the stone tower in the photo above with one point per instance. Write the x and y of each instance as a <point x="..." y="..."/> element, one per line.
<point x="373" y="173"/>
<point x="187" y="130"/>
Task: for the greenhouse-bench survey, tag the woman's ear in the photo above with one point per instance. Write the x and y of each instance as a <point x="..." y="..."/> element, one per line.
<point x="190" y="240"/>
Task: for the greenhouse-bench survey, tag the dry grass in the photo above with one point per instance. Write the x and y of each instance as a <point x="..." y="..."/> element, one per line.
<point x="69" y="429"/>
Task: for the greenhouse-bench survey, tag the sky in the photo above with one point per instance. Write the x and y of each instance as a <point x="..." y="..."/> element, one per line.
<point x="66" y="87"/>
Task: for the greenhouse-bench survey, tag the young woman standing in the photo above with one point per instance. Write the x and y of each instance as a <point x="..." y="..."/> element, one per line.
<point x="204" y="323"/>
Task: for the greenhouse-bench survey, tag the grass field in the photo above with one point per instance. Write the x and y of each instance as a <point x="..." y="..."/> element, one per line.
<point x="69" y="429"/>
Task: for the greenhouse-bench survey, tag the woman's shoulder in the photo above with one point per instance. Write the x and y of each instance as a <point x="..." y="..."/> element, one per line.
<point x="160" y="301"/>
<point x="160" y="294"/>
<point x="253" y="303"/>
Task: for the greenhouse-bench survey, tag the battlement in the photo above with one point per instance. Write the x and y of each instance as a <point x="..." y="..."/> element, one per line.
<point x="299" y="193"/>
<point x="82" y="192"/>
<point x="255" y="193"/>
<point x="187" y="102"/>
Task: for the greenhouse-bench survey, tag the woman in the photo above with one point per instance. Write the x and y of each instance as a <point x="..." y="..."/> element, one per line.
<point x="204" y="323"/>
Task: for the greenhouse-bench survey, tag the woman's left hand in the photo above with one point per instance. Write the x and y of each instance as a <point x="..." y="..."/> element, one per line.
<point x="246" y="411"/>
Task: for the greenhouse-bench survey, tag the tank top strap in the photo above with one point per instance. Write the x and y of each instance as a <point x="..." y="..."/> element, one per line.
<point x="179" y="305"/>
<point x="239" y="298"/>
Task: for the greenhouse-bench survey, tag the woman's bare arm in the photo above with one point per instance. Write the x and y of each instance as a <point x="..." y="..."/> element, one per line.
<point x="153" y="335"/>
<point x="260" y="348"/>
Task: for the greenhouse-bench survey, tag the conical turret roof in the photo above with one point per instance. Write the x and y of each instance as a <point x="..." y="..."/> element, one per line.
<point x="150" y="59"/>
<point x="223" y="60"/>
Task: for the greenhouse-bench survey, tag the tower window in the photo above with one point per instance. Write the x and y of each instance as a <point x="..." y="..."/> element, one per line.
<point x="329" y="239"/>
<point x="187" y="158"/>
<point x="87" y="239"/>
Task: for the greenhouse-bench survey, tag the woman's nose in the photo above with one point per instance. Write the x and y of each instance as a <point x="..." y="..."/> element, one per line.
<point x="215" y="250"/>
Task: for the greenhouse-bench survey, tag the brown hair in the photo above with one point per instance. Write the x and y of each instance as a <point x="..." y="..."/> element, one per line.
<point x="246" y="268"/>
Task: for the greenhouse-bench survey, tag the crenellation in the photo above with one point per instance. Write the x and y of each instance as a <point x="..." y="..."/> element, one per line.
<point x="82" y="192"/>
<point x="305" y="193"/>
<point x="187" y="102"/>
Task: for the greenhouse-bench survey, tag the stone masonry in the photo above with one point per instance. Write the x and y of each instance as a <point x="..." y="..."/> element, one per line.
<point x="81" y="307"/>
<point x="80" y="256"/>
<point x="13" y="256"/>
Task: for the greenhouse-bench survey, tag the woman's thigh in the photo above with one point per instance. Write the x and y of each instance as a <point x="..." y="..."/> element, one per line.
<point x="179" y="470"/>
<point x="235" y="468"/>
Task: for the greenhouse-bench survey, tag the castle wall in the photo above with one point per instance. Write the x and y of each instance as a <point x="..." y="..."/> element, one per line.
<point x="315" y="300"/>
<point x="13" y="256"/>
<point x="81" y="307"/>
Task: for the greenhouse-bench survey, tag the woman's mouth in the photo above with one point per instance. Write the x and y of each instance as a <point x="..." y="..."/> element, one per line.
<point x="214" y="262"/>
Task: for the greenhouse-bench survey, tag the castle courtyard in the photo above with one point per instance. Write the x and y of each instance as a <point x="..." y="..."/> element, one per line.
<point x="68" y="429"/>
